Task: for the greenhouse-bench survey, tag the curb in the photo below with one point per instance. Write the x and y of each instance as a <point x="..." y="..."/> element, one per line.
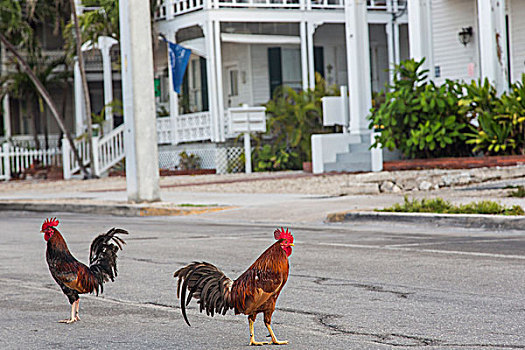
<point x="102" y="209"/>
<point x="463" y="220"/>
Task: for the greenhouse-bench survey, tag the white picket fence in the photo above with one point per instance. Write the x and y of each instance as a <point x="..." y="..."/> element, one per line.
<point x="14" y="160"/>
<point x="107" y="151"/>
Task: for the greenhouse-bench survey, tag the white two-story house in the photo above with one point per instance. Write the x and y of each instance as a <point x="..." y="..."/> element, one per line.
<point x="242" y="50"/>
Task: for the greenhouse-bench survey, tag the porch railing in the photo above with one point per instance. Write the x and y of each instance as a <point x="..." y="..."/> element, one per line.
<point x="15" y="160"/>
<point x="107" y="151"/>
<point x="28" y="141"/>
<point x="184" y="128"/>
<point x="167" y="9"/>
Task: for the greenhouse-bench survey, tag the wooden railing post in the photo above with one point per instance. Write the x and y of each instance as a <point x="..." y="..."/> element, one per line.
<point x="7" y="163"/>
<point x="96" y="155"/>
<point x="66" y="159"/>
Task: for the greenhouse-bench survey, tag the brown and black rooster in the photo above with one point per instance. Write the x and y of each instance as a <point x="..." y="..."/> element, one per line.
<point x="74" y="277"/>
<point x="255" y="291"/>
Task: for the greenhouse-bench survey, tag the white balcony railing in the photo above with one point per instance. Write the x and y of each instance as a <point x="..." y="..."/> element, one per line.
<point x="184" y="128"/>
<point x="167" y="9"/>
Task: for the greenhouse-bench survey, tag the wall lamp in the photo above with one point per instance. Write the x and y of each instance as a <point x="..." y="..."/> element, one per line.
<point x="465" y="35"/>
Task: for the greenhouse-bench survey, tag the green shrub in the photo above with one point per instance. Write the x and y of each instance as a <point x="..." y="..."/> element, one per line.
<point x="189" y="161"/>
<point x="519" y="193"/>
<point x="439" y="205"/>
<point x="266" y="159"/>
<point x="419" y="118"/>
<point x="293" y="117"/>
<point x="501" y="129"/>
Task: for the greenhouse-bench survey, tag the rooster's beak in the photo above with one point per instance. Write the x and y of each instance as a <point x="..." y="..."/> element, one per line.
<point x="292" y="245"/>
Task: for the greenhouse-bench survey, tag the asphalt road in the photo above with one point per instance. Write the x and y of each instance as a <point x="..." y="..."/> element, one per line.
<point x="350" y="287"/>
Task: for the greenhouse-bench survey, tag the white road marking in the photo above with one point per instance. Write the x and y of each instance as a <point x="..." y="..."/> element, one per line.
<point x="448" y="252"/>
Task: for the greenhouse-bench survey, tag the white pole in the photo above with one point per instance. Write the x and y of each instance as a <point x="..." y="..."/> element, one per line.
<point x="140" y="140"/>
<point x="80" y="123"/>
<point x="346" y="109"/>
<point x="247" y="153"/>
<point x="173" y="96"/>
<point x="104" y="44"/>
<point x="420" y="33"/>
<point x="492" y="43"/>
<point x="304" y="53"/>
<point x="211" y="68"/>
<point x="220" y="93"/>
<point x="311" y="64"/>
<point x="6" y="116"/>
<point x="358" y="61"/>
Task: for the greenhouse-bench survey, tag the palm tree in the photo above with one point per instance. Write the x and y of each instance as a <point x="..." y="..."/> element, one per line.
<point x="15" y="29"/>
<point x="85" y="88"/>
<point x="51" y="72"/>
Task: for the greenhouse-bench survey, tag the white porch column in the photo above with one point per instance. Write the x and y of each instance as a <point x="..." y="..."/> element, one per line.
<point x="310" y="28"/>
<point x="80" y="121"/>
<point x="220" y="92"/>
<point x="211" y="69"/>
<point x="173" y="96"/>
<point x="358" y="61"/>
<point x="304" y="53"/>
<point x="493" y="43"/>
<point x="104" y="44"/>
<point x="420" y="33"/>
<point x="392" y="39"/>
<point x="7" y="116"/>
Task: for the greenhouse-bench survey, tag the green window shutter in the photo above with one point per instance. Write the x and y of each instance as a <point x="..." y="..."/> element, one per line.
<point x="275" y="70"/>
<point x="204" y="85"/>
<point x="319" y="60"/>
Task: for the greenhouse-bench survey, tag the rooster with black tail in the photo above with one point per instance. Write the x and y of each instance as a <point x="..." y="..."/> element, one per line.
<point x="255" y="291"/>
<point x="73" y="276"/>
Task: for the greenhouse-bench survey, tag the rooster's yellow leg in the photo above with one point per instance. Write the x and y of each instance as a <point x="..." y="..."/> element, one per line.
<point x="76" y="310"/>
<point x="73" y="311"/>
<point x="274" y="338"/>
<point x="252" y="335"/>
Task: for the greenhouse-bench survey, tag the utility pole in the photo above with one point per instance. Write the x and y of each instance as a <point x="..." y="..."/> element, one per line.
<point x="140" y="140"/>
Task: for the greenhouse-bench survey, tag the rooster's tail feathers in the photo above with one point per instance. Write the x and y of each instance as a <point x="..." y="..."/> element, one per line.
<point x="206" y="283"/>
<point x="103" y="256"/>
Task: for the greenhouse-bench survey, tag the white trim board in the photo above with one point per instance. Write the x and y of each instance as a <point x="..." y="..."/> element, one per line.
<point x="259" y="39"/>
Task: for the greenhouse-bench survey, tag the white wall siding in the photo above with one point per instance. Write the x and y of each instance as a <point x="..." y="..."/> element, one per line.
<point x="448" y="17"/>
<point x="236" y="55"/>
<point x="517" y="37"/>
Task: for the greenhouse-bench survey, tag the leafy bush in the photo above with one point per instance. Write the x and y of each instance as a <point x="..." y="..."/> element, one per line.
<point x="268" y="160"/>
<point x="419" y="118"/>
<point x="501" y="129"/>
<point x="519" y="193"/>
<point x="293" y="117"/>
<point x="439" y="205"/>
<point x="189" y="161"/>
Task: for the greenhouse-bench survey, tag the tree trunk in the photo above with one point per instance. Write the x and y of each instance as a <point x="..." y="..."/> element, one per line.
<point x="43" y="119"/>
<point x="47" y="98"/>
<point x="87" y="101"/>
<point x="35" y="114"/>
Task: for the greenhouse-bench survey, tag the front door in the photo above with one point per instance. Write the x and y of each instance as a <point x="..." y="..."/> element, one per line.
<point x="232" y="85"/>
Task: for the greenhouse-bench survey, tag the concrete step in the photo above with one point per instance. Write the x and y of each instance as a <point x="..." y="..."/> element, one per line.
<point x="353" y="157"/>
<point x="348" y="166"/>
<point x="361" y="147"/>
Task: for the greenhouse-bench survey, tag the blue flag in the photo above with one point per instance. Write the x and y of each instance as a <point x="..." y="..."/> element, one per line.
<point x="179" y="58"/>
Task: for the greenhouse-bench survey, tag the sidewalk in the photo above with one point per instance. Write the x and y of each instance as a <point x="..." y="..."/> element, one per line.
<point x="282" y="197"/>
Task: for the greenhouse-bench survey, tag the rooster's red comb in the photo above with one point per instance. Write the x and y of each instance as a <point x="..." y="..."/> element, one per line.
<point x="49" y="223"/>
<point x="282" y="233"/>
